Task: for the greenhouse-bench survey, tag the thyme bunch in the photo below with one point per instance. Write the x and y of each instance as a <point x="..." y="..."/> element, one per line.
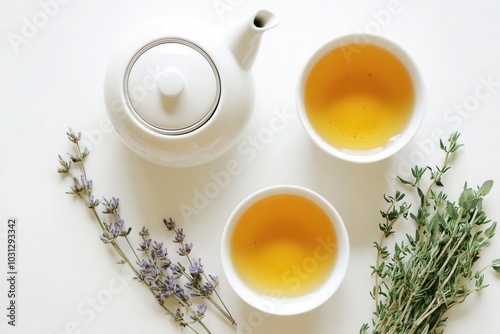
<point x="173" y="286"/>
<point x="432" y="270"/>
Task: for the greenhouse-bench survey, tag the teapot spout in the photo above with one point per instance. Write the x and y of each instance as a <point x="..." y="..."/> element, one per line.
<point x="246" y="44"/>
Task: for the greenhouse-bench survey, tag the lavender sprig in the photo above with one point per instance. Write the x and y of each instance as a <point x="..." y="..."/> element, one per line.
<point x="152" y="265"/>
<point x="199" y="283"/>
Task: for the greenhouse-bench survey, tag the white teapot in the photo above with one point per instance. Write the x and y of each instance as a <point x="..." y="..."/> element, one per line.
<point x="179" y="92"/>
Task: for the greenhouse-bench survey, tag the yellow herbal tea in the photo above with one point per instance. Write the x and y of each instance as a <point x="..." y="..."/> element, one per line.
<point x="360" y="100"/>
<point x="283" y="245"/>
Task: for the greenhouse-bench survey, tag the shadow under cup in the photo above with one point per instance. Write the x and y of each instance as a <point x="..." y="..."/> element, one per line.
<point x="285" y="250"/>
<point x="361" y="98"/>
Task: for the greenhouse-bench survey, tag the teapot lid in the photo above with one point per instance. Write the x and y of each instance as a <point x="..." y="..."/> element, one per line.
<point x="172" y="86"/>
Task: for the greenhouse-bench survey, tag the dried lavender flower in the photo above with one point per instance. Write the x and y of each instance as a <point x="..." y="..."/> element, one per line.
<point x="177" y="271"/>
<point x="110" y="206"/>
<point x="196" y="268"/>
<point x="144" y="264"/>
<point x="79" y="185"/>
<point x="74" y="137"/>
<point x="157" y="246"/>
<point x="208" y="288"/>
<point x="215" y="279"/>
<point x="179" y="293"/>
<point x="202" y="308"/>
<point x="179" y="318"/>
<point x="119" y="227"/>
<point x="144" y="232"/>
<point x="65" y="165"/>
<point x="144" y="246"/>
<point x="92" y="202"/>
<point x="179" y="268"/>
<point x="200" y="313"/>
<point x="179" y="236"/>
<point x="170" y="224"/>
<point x="185" y="249"/>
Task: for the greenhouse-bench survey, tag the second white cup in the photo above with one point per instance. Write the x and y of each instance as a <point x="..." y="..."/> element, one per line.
<point x="285" y="250"/>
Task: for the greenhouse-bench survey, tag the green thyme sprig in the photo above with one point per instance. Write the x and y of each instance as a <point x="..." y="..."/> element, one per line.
<point x="171" y="283"/>
<point x="432" y="270"/>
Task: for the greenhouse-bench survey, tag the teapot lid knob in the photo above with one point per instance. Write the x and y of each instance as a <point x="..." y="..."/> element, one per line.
<point x="172" y="86"/>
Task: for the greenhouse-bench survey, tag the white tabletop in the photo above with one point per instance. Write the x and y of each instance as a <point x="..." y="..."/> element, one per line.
<point x="53" y="58"/>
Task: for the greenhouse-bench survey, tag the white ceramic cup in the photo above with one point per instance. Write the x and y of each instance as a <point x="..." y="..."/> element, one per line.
<point x="413" y="123"/>
<point x="276" y="303"/>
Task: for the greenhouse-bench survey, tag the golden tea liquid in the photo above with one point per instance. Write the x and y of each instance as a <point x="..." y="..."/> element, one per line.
<point x="358" y="97"/>
<point x="283" y="245"/>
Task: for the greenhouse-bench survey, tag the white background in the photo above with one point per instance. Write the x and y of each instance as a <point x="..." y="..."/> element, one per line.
<point x="53" y="79"/>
